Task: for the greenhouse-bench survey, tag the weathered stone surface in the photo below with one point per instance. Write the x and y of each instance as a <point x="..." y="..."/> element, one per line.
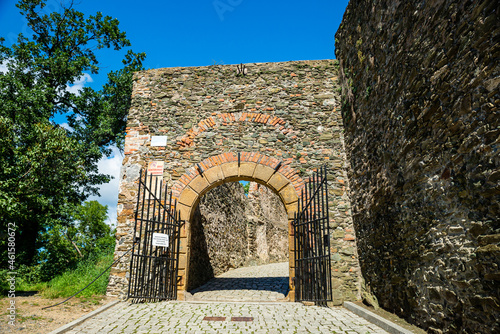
<point x="231" y="230"/>
<point x="268" y="116"/>
<point x="420" y="107"/>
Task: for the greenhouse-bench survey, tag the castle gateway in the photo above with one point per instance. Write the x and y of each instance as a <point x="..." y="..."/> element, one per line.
<point x="272" y="123"/>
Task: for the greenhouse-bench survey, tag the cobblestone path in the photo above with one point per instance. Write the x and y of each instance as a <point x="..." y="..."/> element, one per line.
<point x="188" y="317"/>
<point x="260" y="283"/>
<point x="256" y="310"/>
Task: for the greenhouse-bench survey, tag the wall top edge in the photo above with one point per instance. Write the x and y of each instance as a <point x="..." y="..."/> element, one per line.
<point x="280" y="63"/>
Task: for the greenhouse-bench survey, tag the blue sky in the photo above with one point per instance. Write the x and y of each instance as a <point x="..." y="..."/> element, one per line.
<point x="200" y="33"/>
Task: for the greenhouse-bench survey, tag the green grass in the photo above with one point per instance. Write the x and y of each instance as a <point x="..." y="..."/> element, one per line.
<point x="72" y="281"/>
<point x="22" y="285"/>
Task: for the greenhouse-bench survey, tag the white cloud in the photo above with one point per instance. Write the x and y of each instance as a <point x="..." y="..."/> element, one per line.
<point x="3" y="66"/>
<point x="109" y="191"/>
<point x="66" y="126"/>
<point x="75" y="88"/>
<point x="79" y="83"/>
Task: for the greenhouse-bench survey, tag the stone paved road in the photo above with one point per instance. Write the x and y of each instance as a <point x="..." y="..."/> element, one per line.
<point x="254" y="302"/>
<point x="260" y="283"/>
<point x="187" y="317"/>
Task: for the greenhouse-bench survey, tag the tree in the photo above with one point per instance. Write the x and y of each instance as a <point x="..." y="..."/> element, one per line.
<point x="246" y="186"/>
<point x="94" y="234"/>
<point x="46" y="169"/>
<point x="84" y="236"/>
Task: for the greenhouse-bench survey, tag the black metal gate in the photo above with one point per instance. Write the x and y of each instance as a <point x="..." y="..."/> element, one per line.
<point x="155" y="255"/>
<point x="312" y="242"/>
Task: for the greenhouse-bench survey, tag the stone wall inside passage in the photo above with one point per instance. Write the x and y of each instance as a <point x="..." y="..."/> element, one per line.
<point x="231" y="230"/>
<point x="286" y="113"/>
<point x="420" y="105"/>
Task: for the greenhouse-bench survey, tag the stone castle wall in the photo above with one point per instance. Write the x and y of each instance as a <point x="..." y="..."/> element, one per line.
<point x="269" y="222"/>
<point x="278" y="112"/>
<point x="420" y="106"/>
<point x="231" y="230"/>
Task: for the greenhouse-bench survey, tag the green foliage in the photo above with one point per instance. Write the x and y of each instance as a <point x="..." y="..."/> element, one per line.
<point x="28" y="275"/>
<point x="246" y="187"/>
<point x="46" y="170"/>
<point x="94" y="233"/>
<point x="4" y="284"/>
<point x="68" y="282"/>
<point x="72" y="281"/>
<point x="65" y="245"/>
<point x="58" y="253"/>
<point x="336" y="63"/>
<point x="28" y="278"/>
<point x="368" y="91"/>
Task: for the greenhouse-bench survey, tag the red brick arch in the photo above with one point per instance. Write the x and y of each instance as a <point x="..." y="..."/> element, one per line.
<point x="214" y="121"/>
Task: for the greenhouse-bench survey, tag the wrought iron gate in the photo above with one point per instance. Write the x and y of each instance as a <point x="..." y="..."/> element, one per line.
<point x="312" y="242"/>
<point x="155" y="255"/>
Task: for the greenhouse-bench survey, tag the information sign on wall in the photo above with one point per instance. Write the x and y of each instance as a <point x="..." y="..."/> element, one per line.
<point x="159" y="141"/>
<point x="155" y="168"/>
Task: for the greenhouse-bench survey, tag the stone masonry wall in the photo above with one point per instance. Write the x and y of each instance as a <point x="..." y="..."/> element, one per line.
<point x="229" y="230"/>
<point x="268" y="225"/>
<point x="286" y="111"/>
<point x="420" y="106"/>
<point x="218" y="234"/>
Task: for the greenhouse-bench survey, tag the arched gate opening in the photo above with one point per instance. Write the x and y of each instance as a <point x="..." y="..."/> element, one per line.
<point x="231" y="167"/>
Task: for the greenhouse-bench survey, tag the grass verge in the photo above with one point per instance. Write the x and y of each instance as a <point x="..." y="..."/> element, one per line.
<point x="72" y="280"/>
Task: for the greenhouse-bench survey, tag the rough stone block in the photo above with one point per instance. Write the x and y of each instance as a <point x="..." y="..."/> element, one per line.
<point x="278" y="181"/>
<point x="183" y="246"/>
<point x="288" y="194"/>
<point x="199" y="184"/>
<point x="291" y="209"/>
<point x="230" y="170"/>
<point x="185" y="214"/>
<point x="182" y="261"/>
<point x="263" y="173"/>
<point x="188" y="197"/>
<point x="214" y="175"/>
<point x="247" y="169"/>
<point x="291" y="244"/>
<point x="180" y="295"/>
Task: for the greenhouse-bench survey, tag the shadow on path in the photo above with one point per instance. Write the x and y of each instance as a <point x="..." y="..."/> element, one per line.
<point x="262" y="283"/>
<point x="273" y="284"/>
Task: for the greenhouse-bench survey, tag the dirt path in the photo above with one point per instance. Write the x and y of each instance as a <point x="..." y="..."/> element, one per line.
<point x="30" y="318"/>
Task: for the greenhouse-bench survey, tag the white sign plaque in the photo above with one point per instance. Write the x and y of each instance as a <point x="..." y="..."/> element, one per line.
<point x="160" y="239"/>
<point x="159" y="141"/>
<point x="155" y="168"/>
